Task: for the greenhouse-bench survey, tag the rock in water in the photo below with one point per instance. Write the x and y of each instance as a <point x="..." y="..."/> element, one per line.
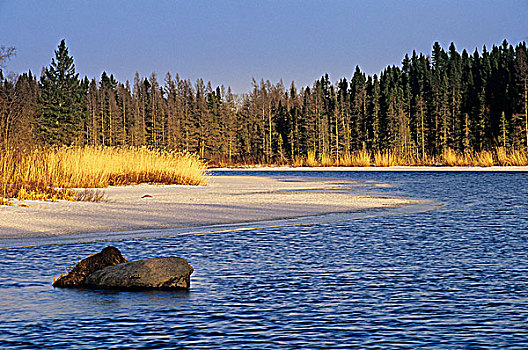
<point x="109" y="256"/>
<point x="109" y="269"/>
<point x="155" y="273"/>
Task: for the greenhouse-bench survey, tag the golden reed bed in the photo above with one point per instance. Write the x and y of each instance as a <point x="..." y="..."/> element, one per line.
<point x="499" y="157"/>
<point x="59" y="173"/>
<point x="51" y="174"/>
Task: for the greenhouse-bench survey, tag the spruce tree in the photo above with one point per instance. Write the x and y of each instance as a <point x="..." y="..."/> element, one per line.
<point x="61" y="101"/>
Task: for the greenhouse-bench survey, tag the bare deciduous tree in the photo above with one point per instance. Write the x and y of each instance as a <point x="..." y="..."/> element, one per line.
<point x="5" y="54"/>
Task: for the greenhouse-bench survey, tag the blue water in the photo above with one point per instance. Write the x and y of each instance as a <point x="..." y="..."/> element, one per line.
<point x="455" y="277"/>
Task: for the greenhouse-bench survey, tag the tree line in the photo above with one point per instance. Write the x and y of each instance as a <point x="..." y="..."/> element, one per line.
<point x="446" y="100"/>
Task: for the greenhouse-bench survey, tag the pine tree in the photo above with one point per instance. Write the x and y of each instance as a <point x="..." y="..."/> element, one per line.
<point x="93" y="134"/>
<point x="61" y="101"/>
<point x="373" y="118"/>
<point x="521" y="72"/>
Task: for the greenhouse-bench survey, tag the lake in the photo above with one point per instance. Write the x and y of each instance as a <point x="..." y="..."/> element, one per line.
<point x="455" y="277"/>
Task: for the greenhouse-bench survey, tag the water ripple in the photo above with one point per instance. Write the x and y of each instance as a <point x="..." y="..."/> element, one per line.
<point x="451" y="278"/>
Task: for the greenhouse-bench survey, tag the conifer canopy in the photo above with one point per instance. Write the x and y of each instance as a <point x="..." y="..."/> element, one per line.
<point x="61" y="100"/>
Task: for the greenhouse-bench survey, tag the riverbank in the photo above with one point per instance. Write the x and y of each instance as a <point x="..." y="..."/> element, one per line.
<point x="225" y="200"/>
<point x="391" y="168"/>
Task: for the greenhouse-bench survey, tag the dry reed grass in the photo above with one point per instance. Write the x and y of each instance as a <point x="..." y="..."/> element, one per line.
<point x="449" y="157"/>
<point x="388" y="159"/>
<point x="356" y="159"/>
<point x="512" y="157"/>
<point x="51" y="174"/>
<point x="425" y="160"/>
<point x="297" y="162"/>
<point x="325" y="160"/>
<point x="484" y="159"/>
<point x="500" y="157"/>
<point x="90" y="195"/>
<point x="311" y="160"/>
<point x="518" y="158"/>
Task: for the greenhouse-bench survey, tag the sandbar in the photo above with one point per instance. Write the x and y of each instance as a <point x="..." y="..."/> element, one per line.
<point x="224" y="200"/>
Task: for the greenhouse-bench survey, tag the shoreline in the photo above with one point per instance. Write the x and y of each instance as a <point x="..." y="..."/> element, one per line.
<point x="373" y="168"/>
<point x="226" y="200"/>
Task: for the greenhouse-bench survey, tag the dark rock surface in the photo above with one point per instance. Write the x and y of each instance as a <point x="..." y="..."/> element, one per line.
<point x="109" y="269"/>
<point x="109" y="256"/>
<point x="155" y="273"/>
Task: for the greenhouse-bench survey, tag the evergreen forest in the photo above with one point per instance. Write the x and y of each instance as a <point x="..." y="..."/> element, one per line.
<point x="430" y="103"/>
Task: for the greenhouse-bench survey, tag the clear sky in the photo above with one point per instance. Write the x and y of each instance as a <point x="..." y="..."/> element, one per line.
<point x="229" y="42"/>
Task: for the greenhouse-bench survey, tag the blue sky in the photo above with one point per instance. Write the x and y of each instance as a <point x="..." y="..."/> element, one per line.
<point x="229" y="42"/>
